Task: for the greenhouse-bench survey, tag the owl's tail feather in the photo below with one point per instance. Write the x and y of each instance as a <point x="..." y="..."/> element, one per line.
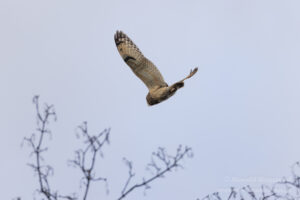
<point x="180" y="84"/>
<point x="192" y="73"/>
<point x="176" y="86"/>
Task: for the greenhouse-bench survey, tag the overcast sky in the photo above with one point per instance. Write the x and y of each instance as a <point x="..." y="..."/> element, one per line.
<point x="240" y="113"/>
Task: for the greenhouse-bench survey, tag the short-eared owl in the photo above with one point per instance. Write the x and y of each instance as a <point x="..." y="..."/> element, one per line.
<point x="146" y="70"/>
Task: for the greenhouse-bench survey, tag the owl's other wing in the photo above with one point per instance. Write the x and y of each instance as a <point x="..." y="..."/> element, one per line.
<point x="140" y="65"/>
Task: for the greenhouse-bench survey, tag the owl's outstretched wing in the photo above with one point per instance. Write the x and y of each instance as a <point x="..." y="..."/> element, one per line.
<point x="140" y="65"/>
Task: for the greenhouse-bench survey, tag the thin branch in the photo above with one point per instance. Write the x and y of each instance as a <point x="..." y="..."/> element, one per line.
<point x="161" y="162"/>
<point x="130" y="172"/>
<point x="286" y="189"/>
<point x="85" y="158"/>
<point x="35" y="141"/>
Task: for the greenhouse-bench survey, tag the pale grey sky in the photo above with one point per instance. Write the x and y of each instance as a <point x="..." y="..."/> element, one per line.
<point x="240" y="113"/>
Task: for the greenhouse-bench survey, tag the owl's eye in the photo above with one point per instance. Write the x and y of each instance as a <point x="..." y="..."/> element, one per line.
<point x="121" y="49"/>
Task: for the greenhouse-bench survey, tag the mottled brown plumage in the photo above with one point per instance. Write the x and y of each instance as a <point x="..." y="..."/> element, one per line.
<point x="146" y="70"/>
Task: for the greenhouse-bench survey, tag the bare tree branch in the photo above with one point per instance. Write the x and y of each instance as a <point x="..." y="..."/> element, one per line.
<point x="281" y="190"/>
<point x="161" y="163"/>
<point x="85" y="159"/>
<point x="35" y="141"/>
<point x="130" y="172"/>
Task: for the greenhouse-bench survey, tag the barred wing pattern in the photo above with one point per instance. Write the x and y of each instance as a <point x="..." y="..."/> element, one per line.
<point x="140" y="65"/>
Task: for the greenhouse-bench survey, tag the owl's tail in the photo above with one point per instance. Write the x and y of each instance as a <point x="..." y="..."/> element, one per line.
<point x="176" y="86"/>
<point x="192" y="73"/>
<point x="180" y="84"/>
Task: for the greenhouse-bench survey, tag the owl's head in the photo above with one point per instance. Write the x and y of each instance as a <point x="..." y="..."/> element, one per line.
<point x="151" y="101"/>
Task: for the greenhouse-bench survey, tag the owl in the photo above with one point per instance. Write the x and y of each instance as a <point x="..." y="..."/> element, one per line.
<point x="144" y="69"/>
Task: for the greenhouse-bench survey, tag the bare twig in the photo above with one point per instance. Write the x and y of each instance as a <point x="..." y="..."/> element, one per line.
<point x="281" y="190"/>
<point x="161" y="163"/>
<point x="85" y="159"/>
<point x="35" y="141"/>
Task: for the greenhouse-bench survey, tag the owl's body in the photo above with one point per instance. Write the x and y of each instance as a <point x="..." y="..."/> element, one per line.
<point x="146" y="70"/>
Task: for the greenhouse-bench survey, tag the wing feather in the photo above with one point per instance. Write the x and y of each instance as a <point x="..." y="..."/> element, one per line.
<point x="140" y="65"/>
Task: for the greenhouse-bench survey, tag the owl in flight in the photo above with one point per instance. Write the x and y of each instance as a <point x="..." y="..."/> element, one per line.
<point x="147" y="71"/>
